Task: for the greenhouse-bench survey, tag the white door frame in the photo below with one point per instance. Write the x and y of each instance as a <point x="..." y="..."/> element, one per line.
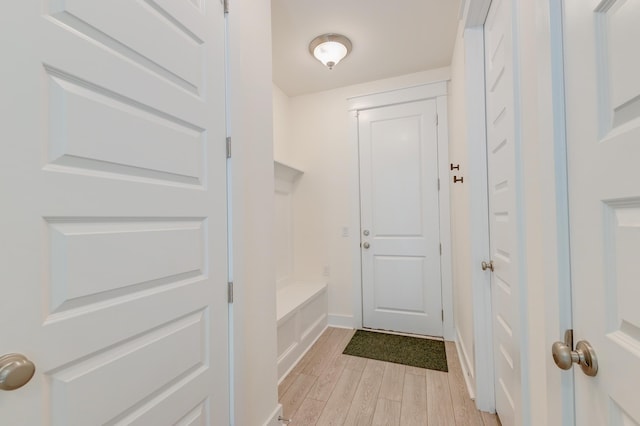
<point x="553" y="187"/>
<point x="437" y="91"/>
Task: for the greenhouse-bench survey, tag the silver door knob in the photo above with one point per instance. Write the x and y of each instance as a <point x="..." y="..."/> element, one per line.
<point x="15" y="371"/>
<point x="365" y="245"/>
<point x="486" y="265"/>
<point x="584" y="355"/>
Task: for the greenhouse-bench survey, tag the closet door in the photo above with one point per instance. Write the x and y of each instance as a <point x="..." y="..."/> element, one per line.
<point x="113" y="182"/>
<point x="603" y="135"/>
<point x="503" y="210"/>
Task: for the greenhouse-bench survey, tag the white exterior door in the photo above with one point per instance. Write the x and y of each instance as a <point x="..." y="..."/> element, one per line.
<point x="501" y="157"/>
<point x="112" y="179"/>
<point x="401" y="280"/>
<point x="603" y="136"/>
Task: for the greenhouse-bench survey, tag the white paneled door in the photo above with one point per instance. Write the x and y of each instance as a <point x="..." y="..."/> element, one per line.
<point x="602" y="63"/>
<point x="113" y="179"/>
<point x="401" y="281"/>
<point x="501" y="159"/>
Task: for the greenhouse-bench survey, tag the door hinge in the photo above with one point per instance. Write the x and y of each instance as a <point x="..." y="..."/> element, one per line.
<point x="440" y="249"/>
<point x="230" y="292"/>
<point x="436" y="119"/>
<point x="226" y="6"/>
<point x="442" y="312"/>
<point x="228" y="146"/>
<point x="438" y="184"/>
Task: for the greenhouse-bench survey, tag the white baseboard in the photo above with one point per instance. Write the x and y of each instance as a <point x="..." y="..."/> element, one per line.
<point x="467" y="368"/>
<point x="273" y="420"/>
<point x="341" y="321"/>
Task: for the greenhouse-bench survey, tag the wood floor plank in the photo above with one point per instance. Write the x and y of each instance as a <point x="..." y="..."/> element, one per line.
<point x="392" y="382"/>
<point x="490" y="419"/>
<point x="355" y="362"/>
<point x="326" y="382"/>
<point x="329" y="377"/>
<point x="293" y="397"/>
<point x="387" y="413"/>
<point x="365" y="399"/>
<point x="332" y="346"/>
<point x="414" y="396"/>
<point x="416" y="371"/>
<point x="347" y="334"/>
<point x="337" y="407"/>
<point x="464" y="409"/>
<point x="308" y="413"/>
<point x="286" y="383"/>
<point x="439" y="406"/>
<point x="312" y="352"/>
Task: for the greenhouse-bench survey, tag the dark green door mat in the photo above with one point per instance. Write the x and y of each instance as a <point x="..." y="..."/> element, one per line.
<point x="413" y="351"/>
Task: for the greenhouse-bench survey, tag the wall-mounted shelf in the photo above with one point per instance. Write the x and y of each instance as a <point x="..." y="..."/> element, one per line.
<point x="285" y="177"/>
<point x="286" y="172"/>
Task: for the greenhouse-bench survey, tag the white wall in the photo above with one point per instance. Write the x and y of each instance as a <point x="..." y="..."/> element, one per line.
<point x="281" y="126"/>
<point x="539" y="199"/>
<point x="254" y="310"/>
<point x="283" y="233"/>
<point x="318" y="144"/>
<point x="460" y="211"/>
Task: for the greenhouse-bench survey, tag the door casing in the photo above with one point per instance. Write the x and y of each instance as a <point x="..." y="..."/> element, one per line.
<point x="437" y="91"/>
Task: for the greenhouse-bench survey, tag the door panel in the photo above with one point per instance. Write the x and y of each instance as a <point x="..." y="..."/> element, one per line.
<point x="177" y="52"/>
<point x="603" y="130"/>
<point x="166" y="149"/>
<point x="396" y="178"/>
<point x="502" y="208"/>
<point x="392" y="294"/>
<point x="399" y="207"/>
<point x="114" y="261"/>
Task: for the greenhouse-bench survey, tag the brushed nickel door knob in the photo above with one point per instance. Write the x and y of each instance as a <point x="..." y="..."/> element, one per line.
<point x="365" y="245"/>
<point x="15" y="371"/>
<point x="584" y="356"/>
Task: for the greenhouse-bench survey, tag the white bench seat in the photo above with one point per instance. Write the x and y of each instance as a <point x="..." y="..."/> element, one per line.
<point x="302" y="316"/>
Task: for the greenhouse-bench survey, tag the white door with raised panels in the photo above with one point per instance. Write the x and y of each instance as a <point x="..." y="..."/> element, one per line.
<point x="401" y="280"/>
<point x="113" y="179"/>
<point x="602" y="61"/>
<point x="503" y="214"/>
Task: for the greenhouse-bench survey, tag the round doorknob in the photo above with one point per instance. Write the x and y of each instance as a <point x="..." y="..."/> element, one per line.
<point x="584" y="355"/>
<point x="15" y="371"/>
<point x="365" y="245"/>
<point x="563" y="356"/>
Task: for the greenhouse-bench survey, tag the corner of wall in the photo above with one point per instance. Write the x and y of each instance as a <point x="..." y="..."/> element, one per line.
<point x="468" y="371"/>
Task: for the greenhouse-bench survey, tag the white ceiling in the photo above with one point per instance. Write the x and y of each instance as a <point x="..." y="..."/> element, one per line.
<point x="390" y="38"/>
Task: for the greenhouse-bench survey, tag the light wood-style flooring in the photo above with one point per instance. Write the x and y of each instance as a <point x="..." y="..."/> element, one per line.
<point x="329" y="388"/>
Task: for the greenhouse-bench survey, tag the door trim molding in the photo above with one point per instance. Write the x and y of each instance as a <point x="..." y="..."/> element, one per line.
<point x="398" y="96"/>
<point x="560" y="387"/>
<point x="479" y="204"/>
<point x="438" y="92"/>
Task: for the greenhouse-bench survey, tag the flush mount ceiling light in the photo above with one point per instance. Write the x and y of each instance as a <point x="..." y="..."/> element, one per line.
<point x="330" y="49"/>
